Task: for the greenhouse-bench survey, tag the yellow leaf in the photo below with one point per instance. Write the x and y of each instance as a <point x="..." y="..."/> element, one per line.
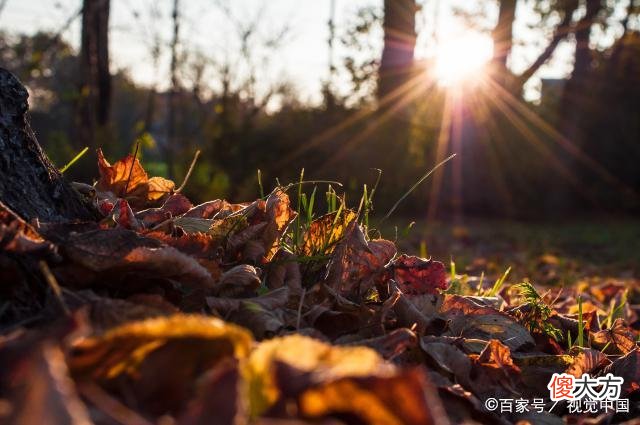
<point x="127" y="179"/>
<point x="325" y="232"/>
<point x="375" y="400"/>
<point x="123" y="349"/>
<point x="305" y="354"/>
<point x="158" y="187"/>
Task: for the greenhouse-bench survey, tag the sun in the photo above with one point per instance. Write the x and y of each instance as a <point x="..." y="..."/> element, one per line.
<point x="462" y="59"/>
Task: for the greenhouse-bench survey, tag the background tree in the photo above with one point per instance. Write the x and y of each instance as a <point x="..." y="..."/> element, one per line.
<point x="396" y="63"/>
<point x="94" y="97"/>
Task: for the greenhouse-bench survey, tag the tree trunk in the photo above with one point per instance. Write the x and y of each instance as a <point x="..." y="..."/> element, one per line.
<point x="503" y="34"/>
<point x="399" y="43"/>
<point x="170" y="150"/>
<point x="575" y="94"/>
<point x="29" y="184"/>
<point x="95" y="87"/>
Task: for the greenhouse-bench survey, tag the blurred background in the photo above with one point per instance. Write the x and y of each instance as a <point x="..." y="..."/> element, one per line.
<point x="538" y="99"/>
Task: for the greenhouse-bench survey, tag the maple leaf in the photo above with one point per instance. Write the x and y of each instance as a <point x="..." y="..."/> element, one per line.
<point x="127" y="179"/>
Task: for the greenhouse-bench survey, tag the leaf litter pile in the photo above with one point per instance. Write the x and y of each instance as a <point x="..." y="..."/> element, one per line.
<point x="160" y="311"/>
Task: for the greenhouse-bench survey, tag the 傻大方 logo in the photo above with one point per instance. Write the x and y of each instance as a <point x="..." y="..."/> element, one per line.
<point x="563" y="386"/>
<point x="584" y="394"/>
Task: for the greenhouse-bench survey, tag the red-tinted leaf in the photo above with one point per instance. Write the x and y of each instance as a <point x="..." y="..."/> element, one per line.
<point x="416" y="275"/>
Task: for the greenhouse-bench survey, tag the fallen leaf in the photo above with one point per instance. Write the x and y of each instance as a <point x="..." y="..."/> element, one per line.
<point x="278" y="216"/>
<point x="219" y="398"/>
<point x="628" y="368"/>
<point x="211" y="208"/>
<point x="325" y="232"/>
<point x="416" y="275"/>
<point x="37" y="387"/>
<point x="409" y="315"/>
<point x="357" y="265"/>
<point x="619" y="335"/>
<point x="373" y="400"/>
<point x="491" y="326"/>
<point x="123" y="252"/>
<point x="498" y="355"/>
<point x="123" y="215"/>
<point x="272" y="300"/>
<point x="127" y="179"/>
<point x="193" y="224"/>
<point x="391" y="344"/>
<point x="449" y="358"/>
<point x="305" y="354"/>
<point x="17" y="236"/>
<point x="241" y="280"/>
<point x="587" y="361"/>
<point x="284" y="270"/>
<point x="183" y="347"/>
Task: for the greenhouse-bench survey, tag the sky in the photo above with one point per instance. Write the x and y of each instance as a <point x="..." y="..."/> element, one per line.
<point x="207" y="30"/>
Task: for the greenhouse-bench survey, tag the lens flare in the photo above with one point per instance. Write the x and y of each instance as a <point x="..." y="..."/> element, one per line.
<point x="462" y="59"/>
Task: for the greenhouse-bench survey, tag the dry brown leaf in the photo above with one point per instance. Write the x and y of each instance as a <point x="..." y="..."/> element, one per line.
<point x="627" y="367"/>
<point x="219" y="398"/>
<point x="278" y="215"/>
<point x="241" y="280"/>
<point x="105" y="313"/>
<point x="325" y="232"/>
<point x="19" y="237"/>
<point x="357" y="265"/>
<point x="391" y="344"/>
<point x="123" y="252"/>
<point x="211" y="208"/>
<point x="284" y="270"/>
<point x="587" y="361"/>
<point x="449" y="358"/>
<point x="415" y="275"/>
<point x="498" y="355"/>
<point x="457" y="304"/>
<point x="272" y="300"/>
<point x="305" y="354"/>
<point x="620" y="336"/>
<point x="491" y="326"/>
<point x="37" y="387"/>
<point x="182" y="347"/>
<point x="374" y="400"/>
<point x="408" y="313"/>
<point x="128" y="174"/>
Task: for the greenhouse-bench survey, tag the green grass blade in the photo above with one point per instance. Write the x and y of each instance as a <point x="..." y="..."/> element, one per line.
<point x="75" y="158"/>
<point x="580" y="323"/>
<point x="415" y="185"/>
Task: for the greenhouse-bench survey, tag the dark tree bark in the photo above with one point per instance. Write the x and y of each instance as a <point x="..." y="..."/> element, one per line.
<point x="95" y="87"/>
<point x="399" y="44"/>
<point x="173" y="93"/>
<point x="503" y="33"/>
<point x="29" y="184"/>
<point x="575" y="95"/>
<point x="503" y="43"/>
<point x="561" y="31"/>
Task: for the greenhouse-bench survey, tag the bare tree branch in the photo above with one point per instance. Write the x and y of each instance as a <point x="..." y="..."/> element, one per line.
<point x="563" y="29"/>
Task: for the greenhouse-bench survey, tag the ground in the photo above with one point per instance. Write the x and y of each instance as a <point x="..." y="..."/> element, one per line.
<point x="551" y="252"/>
